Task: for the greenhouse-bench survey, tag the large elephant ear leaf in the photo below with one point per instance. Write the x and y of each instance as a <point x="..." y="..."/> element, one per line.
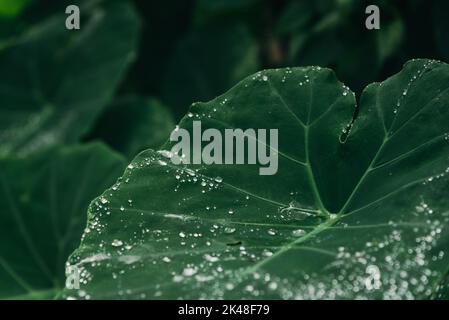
<point x="358" y="208"/>
<point x="55" y="81"/>
<point x="43" y="204"/>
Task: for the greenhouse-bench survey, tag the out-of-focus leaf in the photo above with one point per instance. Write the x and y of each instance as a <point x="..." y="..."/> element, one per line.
<point x="43" y="203"/>
<point x="210" y="10"/>
<point x="337" y="38"/>
<point x="389" y="39"/>
<point x="12" y="8"/>
<point x="164" y="22"/>
<point x="133" y="124"/>
<point x="296" y="15"/>
<point x="206" y="63"/>
<point x="355" y="215"/>
<point x="54" y="82"/>
<point x="441" y="24"/>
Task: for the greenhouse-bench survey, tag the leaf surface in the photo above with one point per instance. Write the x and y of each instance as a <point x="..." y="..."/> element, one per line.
<point x="362" y="214"/>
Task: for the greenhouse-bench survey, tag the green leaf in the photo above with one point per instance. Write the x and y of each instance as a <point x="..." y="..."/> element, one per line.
<point x="43" y="200"/>
<point x="362" y="214"/>
<point x="196" y="73"/>
<point x="133" y="124"/>
<point x="12" y="8"/>
<point x="54" y="81"/>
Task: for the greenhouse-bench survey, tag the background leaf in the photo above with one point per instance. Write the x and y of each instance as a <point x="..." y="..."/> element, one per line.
<point x="11" y="8"/>
<point x="133" y="124"/>
<point x="54" y="83"/>
<point x="206" y="63"/>
<point x="43" y="200"/>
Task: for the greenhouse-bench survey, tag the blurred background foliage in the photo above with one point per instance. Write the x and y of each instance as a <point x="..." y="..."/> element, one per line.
<point x="194" y="50"/>
<point x="132" y="72"/>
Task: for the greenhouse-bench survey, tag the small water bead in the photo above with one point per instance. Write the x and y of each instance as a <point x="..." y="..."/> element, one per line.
<point x="117" y="243"/>
<point x="218" y="179"/>
<point x="165" y="153"/>
<point x="103" y="200"/>
<point x="267" y="253"/>
<point x="122" y="208"/>
<point x="272" y="232"/>
<point x="166" y="259"/>
<point x="229" y="230"/>
<point x="264" y="78"/>
<point x="298" y="233"/>
<point x="272" y="285"/>
<point x="190" y="114"/>
<point x="231" y="211"/>
<point x="210" y="258"/>
<point x="189" y="271"/>
<point x="130" y="166"/>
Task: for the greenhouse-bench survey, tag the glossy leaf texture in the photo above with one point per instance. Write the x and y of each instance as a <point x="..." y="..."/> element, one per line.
<point x="358" y="214"/>
<point x="54" y="82"/>
<point x="43" y="204"/>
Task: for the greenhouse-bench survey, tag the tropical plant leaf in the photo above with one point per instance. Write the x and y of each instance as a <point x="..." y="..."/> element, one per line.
<point x="133" y="124"/>
<point x="55" y="82"/>
<point x="12" y="8"/>
<point x="43" y="203"/>
<point x="362" y="214"/>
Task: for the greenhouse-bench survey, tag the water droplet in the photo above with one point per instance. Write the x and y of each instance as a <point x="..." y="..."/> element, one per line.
<point x="117" y="243"/>
<point x="272" y="285"/>
<point x="189" y="271"/>
<point x="210" y="258"/>
<point x="229" y="230"/>
<point x="298" y="232"/>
